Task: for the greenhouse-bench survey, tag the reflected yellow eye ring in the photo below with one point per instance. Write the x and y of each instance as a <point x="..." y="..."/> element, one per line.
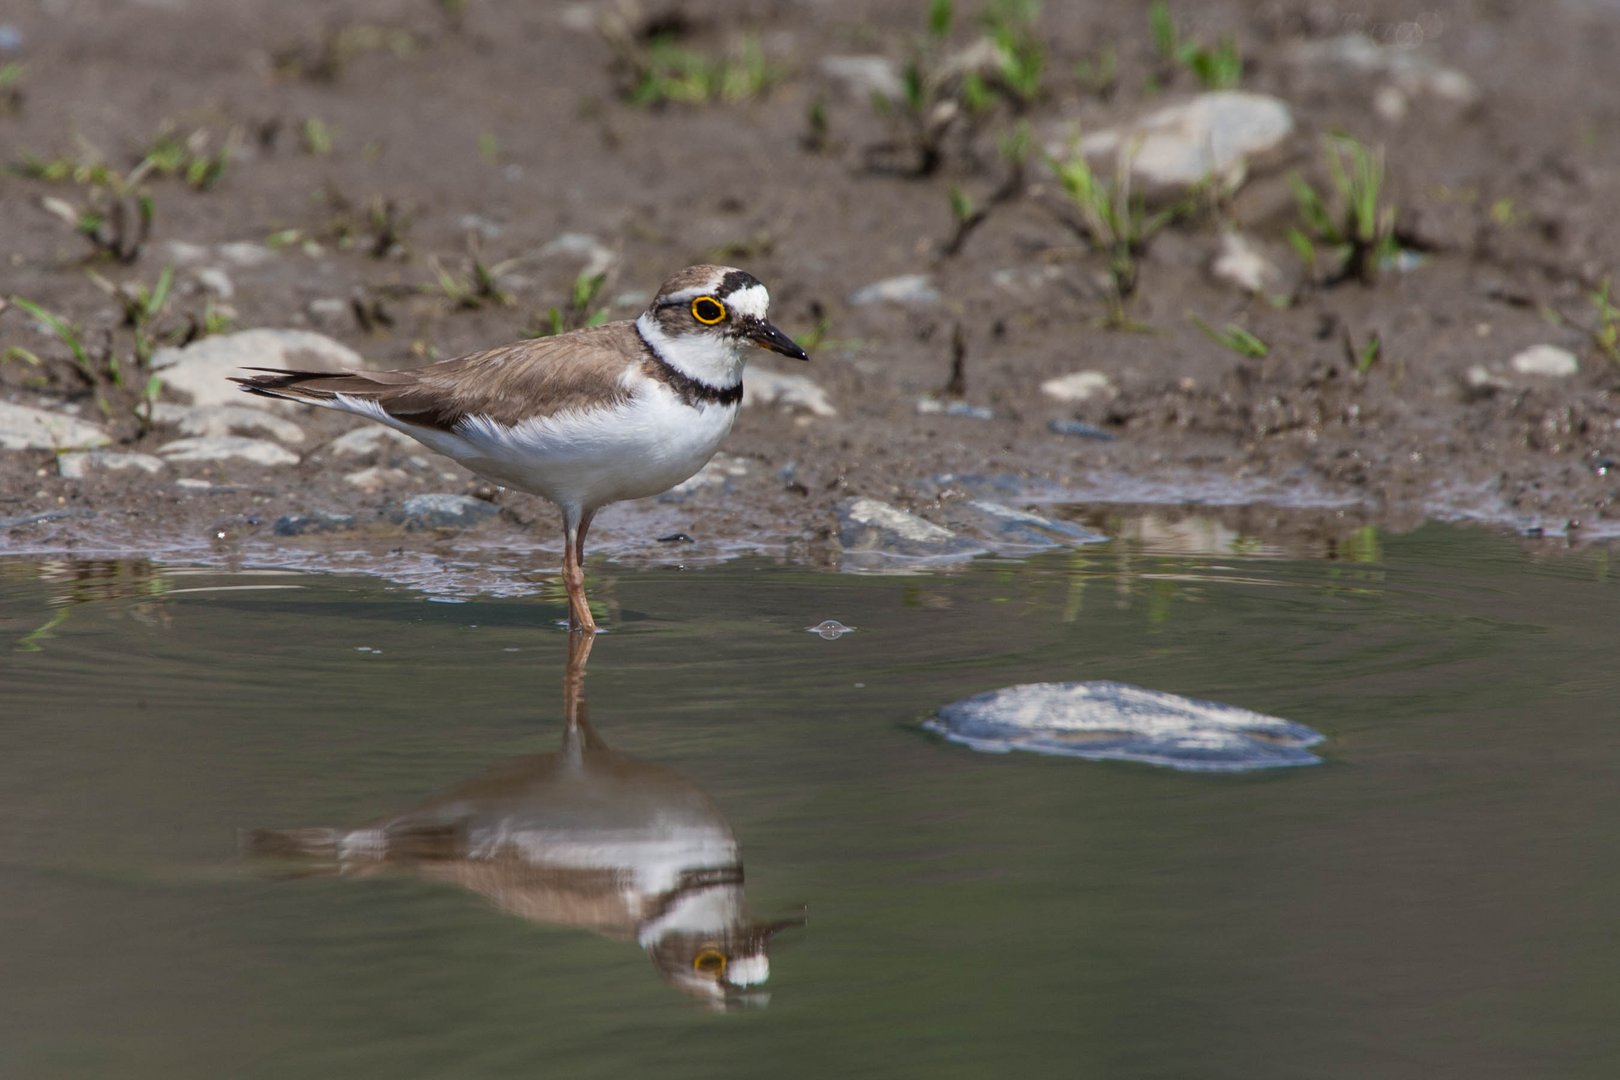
<point x="709" y="961"/>
<point x="708" y="311"/>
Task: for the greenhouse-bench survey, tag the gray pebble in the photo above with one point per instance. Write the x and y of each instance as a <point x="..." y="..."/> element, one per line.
<point x="1078" y="429"/>
<point x="903" y="289"/>
<point x="77" y="465"/>
<point x="443" y="511"/>
<point x="319" y="521"/>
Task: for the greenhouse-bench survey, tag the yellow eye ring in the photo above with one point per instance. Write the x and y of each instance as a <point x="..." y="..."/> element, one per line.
<point x="708" y="311"/>
<point x="709" y="961"/>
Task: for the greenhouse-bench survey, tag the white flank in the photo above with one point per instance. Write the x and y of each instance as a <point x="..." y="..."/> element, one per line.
<point x="586" y="459"/>
<point x="710" y="910"/>
<point x="582" y="458"/>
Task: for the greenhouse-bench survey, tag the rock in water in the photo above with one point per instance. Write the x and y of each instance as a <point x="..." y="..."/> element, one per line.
<point x="1119" y="722"/>
<point x="875" y="535"/>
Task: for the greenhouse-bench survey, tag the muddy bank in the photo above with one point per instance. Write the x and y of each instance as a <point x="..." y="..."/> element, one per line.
<point x="411" y="181"/>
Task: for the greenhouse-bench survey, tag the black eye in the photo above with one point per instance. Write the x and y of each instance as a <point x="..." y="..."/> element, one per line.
<point x="707" y="310"/>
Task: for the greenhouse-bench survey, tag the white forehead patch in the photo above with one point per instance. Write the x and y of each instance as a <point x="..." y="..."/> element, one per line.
<point x="753" y="300"/>
<point x="749" y="970"/>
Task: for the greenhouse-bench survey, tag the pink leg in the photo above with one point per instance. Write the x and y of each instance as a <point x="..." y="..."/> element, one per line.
<point x="579" y="609"/>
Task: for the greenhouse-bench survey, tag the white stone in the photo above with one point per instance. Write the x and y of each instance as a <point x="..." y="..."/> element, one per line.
<point x="226" y="420"/>
<point x="1408" y="70"/>
<point x="1390" y="103"/>
<point x="1079" y="386"/>
<point x="215" y="281"/>
<point x="720" y="469"/>
<point x="329" y="311"/>
<point x="26" y="428"/>
<point x="376" y="478"/>
<point x="202" y="370"/>
<point x="762" y="386"/>
<point x="598" y="257"/>
<point x="228" y="448"/>
<point x="77" y="465"/>
<point x="245" y="254"/>
<point x="908" y="526"/>
<point x="1026" y="279"/>
<point x="184" y="253"/>
<point x="866" y="77"/>
<point x="1241" y="263"/>
<point x="192" y="483"/>
<point x="901" y="289"/>
<point x="1548" y="360"/>
<point x="1176" y="147"/>
<point x="367" y="441"/>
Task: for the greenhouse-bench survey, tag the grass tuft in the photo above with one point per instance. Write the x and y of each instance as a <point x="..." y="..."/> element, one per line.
<point x="1353" y="220"/>
<point x="581" y="310"/>
<point x="1216" y="67"/>
<point x="1234" y="338"/>
<point x="1114" y="223"/>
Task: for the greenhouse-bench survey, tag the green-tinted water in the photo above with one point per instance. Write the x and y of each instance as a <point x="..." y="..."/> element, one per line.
<point x="1437" y="900"/>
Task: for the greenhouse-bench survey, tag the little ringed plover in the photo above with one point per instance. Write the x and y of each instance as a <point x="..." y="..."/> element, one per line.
<point x="595" y="416"/>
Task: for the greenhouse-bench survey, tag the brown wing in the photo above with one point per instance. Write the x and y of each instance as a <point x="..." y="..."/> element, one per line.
<point x="509" y="384"/>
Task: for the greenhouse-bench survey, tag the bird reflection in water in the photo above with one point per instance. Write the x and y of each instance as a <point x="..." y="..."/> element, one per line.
<point x="583" y="837"/>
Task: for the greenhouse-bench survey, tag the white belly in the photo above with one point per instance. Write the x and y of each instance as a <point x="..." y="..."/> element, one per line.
<point x="588" y="459"/>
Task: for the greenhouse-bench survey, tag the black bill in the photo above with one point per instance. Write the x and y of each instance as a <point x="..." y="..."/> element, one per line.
<point x="766" y="336"/>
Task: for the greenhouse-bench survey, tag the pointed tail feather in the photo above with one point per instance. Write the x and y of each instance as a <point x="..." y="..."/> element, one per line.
<point x="289" y="843"/>
<point x="313" y="387"/>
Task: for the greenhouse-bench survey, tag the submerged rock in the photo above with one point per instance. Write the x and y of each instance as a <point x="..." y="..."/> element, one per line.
<point x="1009" y="530"/>
<point x="874" y="533"/>
<point x="1119" y="722"/>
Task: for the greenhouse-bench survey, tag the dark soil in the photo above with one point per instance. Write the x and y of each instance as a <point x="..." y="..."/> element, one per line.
<point x="508" y="120"/>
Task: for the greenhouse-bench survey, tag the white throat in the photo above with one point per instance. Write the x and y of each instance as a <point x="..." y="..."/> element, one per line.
<point x="711" y="359"/>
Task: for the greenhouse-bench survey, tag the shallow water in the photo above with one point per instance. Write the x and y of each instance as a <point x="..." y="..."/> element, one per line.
<point x="1437" y="899"/>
